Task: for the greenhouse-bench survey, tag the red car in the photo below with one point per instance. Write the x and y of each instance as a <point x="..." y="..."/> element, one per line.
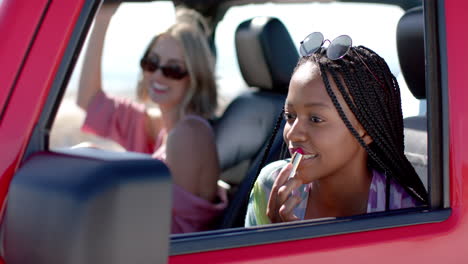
<point x="84" y="205"/>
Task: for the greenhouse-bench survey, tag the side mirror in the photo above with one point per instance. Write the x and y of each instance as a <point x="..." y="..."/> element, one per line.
<point x="88" y="206"/>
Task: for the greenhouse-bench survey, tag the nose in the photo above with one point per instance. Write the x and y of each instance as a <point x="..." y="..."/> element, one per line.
<point x="158" y="75"/>
<point x="295" y="132"/>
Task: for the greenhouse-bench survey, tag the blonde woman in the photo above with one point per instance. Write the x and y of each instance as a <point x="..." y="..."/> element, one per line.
<point x="177" y="76"/>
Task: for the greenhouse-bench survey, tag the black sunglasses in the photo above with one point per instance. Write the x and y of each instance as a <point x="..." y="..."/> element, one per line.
<point x="337" y="49"/>
<point x="151" y="64"/>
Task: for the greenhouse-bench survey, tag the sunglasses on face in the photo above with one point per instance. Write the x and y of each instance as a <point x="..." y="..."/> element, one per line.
<point x="151" y="64"/>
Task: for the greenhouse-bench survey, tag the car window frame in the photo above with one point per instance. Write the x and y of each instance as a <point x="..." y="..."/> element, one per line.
<point x="438" y="170"/>
<point x="39" y="140"/>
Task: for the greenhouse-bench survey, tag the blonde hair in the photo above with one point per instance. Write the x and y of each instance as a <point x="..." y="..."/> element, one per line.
<point x="201" y="98"/>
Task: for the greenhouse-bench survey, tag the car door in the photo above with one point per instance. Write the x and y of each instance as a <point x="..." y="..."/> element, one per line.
<point x="18" y="40"/>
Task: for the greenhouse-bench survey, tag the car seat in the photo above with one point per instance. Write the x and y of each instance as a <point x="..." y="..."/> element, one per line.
<point x="267" y="56"/>
<point x="410" y="45"/>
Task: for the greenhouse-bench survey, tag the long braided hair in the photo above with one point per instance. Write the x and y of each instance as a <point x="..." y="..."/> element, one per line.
<point x="372" y="93"/>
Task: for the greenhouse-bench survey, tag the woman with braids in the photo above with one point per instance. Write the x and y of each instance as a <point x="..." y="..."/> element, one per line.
<point x="343" y="114"/>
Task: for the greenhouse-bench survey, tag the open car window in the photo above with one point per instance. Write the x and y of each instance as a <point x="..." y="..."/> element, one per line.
<point x="372" y="25"/>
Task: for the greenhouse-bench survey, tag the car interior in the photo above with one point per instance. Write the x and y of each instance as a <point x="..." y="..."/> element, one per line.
<point x="111" y="195"/>
<point x="266" y="68"/>
<point x="410" y="29"/>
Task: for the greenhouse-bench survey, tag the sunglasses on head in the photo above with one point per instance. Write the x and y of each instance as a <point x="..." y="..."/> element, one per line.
<point x="337" y="49"/>
<point x="151" y="64"/>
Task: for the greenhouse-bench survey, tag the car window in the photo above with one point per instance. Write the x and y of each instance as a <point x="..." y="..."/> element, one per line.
<point x="372" y="25"/>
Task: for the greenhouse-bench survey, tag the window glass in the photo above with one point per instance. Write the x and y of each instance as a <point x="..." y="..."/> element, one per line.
<point x="371" y="25"/>
<point x="134" y="24"/>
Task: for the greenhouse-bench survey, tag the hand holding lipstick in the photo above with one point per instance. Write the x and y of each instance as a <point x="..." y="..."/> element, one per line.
<point x="295" y="160"/>
<point x="283" y="198"/>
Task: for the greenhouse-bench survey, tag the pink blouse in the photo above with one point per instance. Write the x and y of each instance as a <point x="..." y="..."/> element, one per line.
<point x="123" y="121"/>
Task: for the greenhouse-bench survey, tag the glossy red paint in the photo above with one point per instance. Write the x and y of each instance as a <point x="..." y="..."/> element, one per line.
<point x="458" y="81"/>
<point x="14" y="47"/>
<point x="443" y="242"/>
<point x="36" y="75"/>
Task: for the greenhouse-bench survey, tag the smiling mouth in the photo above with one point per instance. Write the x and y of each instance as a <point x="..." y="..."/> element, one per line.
<point x="159" y="88"/>
<point x="311" y="156"/>
<point x="296" y="159"/>
<point x="304" y="156"/>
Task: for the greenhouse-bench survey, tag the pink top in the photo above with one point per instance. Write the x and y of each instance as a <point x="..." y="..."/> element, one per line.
<point x="123" y="121"/>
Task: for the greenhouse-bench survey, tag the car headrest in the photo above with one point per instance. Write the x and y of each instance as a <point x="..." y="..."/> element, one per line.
<point x="266" y="53"/>
<point x="245" y="126"/>
<point x="410" y="45"/>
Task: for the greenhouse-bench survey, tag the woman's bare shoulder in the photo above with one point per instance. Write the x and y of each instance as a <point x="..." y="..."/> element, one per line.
<point x="154" y="121"/>
<point x="193" y="127"/>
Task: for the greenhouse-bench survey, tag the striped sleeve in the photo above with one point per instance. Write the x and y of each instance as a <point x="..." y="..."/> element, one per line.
<point x="258" y="200"/>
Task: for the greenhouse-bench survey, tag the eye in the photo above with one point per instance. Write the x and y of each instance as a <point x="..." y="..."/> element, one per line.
<point x="315" y="119"/>
<point x="289" y="117"/>
<point x="175" y="67"/>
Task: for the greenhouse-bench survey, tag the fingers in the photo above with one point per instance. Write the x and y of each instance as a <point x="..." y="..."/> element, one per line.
<point x="283" y="211"/>
<point x="281" y="202"/>
<point x="286" y="190"/>
<point x="283" y="175"/>
<point x="279" y="181"/>
<point x="286" y="211"/>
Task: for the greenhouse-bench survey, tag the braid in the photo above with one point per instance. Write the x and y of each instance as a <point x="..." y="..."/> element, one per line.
<point x="374" y="98"/>
<point x="346" y="120"/>
<point x="270" y="143"/>
<point x="394" y="114"/>
<point x="371" y="105"/>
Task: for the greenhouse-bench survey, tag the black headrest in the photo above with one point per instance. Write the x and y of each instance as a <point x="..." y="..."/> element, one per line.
<point x="410" y="45"/>
<point x="266" y="53"/>
<point x="245" y="126"/>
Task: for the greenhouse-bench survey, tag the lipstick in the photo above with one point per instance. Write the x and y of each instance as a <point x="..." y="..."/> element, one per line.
<point x="296" y="159"/>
